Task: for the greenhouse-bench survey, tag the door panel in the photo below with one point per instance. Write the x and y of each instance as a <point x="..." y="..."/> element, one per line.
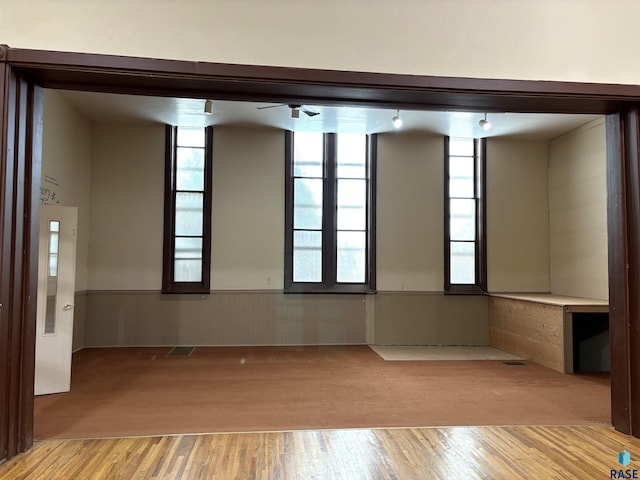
<point x="56" y="292"/>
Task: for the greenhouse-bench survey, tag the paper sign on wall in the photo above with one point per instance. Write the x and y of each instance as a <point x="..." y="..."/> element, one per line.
<point x="49" y="191"/>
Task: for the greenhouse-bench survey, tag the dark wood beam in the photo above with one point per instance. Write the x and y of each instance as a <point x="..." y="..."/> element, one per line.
<point x="143" y="76"/>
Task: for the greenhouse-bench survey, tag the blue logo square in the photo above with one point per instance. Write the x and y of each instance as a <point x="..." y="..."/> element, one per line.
<point x="624" y="458"/>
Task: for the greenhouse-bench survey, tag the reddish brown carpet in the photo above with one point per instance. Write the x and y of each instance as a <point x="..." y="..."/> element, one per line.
<point x="142" y="391"/>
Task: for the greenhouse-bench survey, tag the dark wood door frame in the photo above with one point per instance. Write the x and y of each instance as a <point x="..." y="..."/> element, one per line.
<point x="24" y="72"/>
<point x="623" y="218"/>
<point x="20" y="142"/>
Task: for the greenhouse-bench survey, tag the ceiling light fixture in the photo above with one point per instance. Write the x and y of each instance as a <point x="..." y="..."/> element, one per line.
<point x="397" y="121"/>
<point x="484" y="123"/>
<point x="208" y="107"/>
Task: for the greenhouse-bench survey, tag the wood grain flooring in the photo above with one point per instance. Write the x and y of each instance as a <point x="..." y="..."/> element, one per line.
<point x="510" y="452"/>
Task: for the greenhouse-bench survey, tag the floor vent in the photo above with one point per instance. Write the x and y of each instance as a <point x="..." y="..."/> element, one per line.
<point x="181" y="351"/>
<point x="514" y="363"/>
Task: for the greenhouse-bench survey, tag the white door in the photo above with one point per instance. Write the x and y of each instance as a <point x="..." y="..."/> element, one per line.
<point x="56" y="293"/>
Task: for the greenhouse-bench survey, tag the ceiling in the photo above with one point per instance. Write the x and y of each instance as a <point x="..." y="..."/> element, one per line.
<point x="121" y="109"/>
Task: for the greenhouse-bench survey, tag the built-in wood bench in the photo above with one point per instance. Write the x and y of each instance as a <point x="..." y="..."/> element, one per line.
<point x="538" y="326"/>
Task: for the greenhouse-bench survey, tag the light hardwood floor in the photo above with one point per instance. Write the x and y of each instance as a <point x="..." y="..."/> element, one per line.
<point x="514" y="452"/>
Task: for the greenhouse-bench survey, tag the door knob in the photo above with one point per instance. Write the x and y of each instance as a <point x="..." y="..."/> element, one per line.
<point x="67" y="306"/>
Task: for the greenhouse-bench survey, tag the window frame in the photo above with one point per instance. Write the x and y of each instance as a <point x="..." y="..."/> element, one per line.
<point x="168" y="257"/>
<point x="329" y="222"/>
<point x="480" y="189"/>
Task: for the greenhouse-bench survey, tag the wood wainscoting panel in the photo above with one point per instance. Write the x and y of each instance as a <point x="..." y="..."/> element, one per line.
<point x="79" y="320"/>
<point x="431" y="318"/>
<point x="139" y="318"/>
<point x="530" y="330"/>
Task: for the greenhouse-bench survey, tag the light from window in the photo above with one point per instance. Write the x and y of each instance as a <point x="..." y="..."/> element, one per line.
<point x="329" y="213"/>
<point x="351" y="176"/>
<point x="54" y="237"/>
<point x="52" y="278"/>
<point x="189" y="205"/>
<point x="187" y="230"/>
<point x="462" y="200"/>
<point x="308" y="186"/>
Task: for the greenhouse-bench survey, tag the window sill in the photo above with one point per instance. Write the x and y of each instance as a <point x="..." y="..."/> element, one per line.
<point x="186" y="289"/>
<point x="464" y="290"/>
<point x="315" y="288"/>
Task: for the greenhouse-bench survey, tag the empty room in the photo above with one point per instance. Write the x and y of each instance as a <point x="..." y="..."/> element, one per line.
<point x="268" y="347"/>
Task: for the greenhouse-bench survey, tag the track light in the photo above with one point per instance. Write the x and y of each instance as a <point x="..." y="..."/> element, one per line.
<point x="397" y="121"/>
<point x="484" y="123"/>
<point x="208" y="107"/>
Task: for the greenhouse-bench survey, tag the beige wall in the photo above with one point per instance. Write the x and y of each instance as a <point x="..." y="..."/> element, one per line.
<point x="410" y="223"/>
<point x="409" y="218"/>
<point x="517" y="216"/>
<point x="66" y="175"/>
<point x="578" y="213"/>
<point x="125" y="254"/>
<point x="590" y="40"/>
<point x="127" y="198"/>
<point x="248" y="248"/>
<point x="248" y="209"/>
<point x="410" y="307"/>
<point x="66" y="170"/>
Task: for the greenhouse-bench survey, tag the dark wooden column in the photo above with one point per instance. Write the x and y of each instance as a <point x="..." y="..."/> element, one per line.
<point x="623" y="211"/>
<point x="20" y="159"/>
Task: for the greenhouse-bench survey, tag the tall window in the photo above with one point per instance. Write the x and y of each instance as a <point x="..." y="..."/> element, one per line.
<point x="465" y="226"/>
<point x="187" y="215"/>
<point x="329" y="218"/>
